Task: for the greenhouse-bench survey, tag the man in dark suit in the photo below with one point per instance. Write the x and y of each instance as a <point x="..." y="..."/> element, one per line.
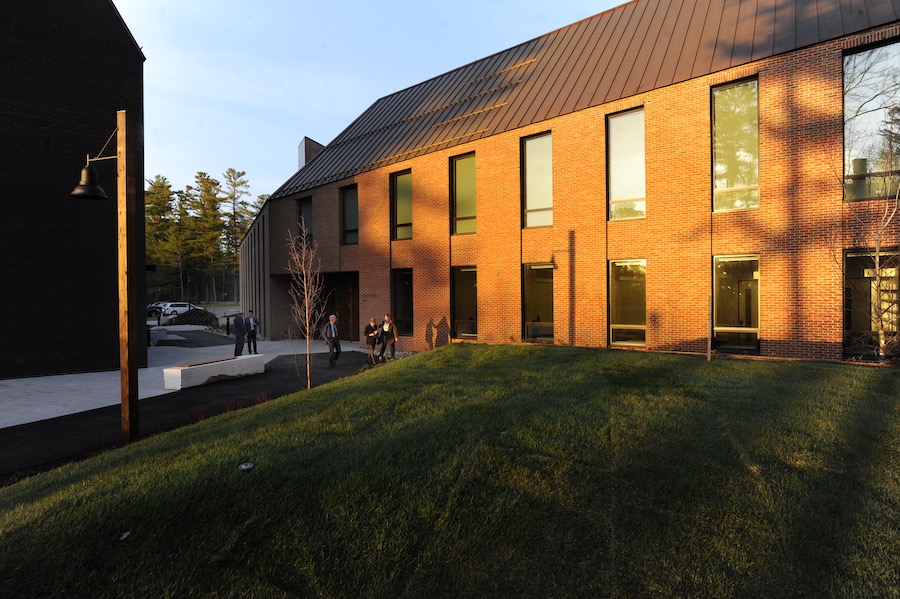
<point x="240" y="331"/>
<point x="251" y="324"/>
<point x="333" y="341"/>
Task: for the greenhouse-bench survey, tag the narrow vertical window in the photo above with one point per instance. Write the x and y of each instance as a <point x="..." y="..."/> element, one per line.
<point x="872" y="123"/>
<point x="463" y="193"/>
<point x="401" y="205"/>
<point x="628" y="302"/>
<point x="304" y="208"/>
<point x="350" y="215"/>
<point x="537" y="184"/>
<point x="538" y="302"/>
<point x="627" y="170"/>
<point x="737" y="303"/>
<point x="736" y="146"/>
<point x="402" y="300"/>
<point x="464" y="301"/>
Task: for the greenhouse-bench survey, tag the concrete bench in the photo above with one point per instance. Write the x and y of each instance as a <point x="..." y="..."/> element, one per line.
<point x="201" y="373"/>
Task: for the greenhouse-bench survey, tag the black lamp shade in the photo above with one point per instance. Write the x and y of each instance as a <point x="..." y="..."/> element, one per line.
<point x="88" y="187"/>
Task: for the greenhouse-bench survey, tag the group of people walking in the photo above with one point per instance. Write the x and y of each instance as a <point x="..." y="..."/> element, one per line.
<point x="245" y="328"/>
<point x="383" y="335"/>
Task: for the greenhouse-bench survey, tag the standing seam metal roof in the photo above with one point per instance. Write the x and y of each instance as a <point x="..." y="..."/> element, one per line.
<point x="627" y="50"/>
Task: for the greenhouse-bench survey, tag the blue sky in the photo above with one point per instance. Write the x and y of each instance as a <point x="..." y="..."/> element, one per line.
<point x="238" y="84"/>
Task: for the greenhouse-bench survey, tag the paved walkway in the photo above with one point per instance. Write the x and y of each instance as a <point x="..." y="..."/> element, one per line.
<point x="37" y="398"/>
<point x="47" y="421"/>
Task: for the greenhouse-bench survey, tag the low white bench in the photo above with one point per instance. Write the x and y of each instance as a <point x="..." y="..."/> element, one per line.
<point x="201" y="373"/>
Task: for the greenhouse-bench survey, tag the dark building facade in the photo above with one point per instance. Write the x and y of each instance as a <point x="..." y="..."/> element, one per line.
<point x="664" y="175"/>
<point x="66" y="68"/>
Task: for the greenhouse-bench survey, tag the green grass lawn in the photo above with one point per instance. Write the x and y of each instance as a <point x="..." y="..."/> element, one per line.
<point x="492" y="471"/>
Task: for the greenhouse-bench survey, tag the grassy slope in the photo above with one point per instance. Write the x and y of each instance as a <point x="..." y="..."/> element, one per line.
<point x="493" y="471"/>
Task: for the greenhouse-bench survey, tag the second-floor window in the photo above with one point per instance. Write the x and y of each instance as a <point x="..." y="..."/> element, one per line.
<point x="401" y="205"/>
<point x="872" y="123"/>
<point x="537" y="180"/>
<point x="463" y="193"/>
<point x="736" y="146"/>
<point x="350" y="215"/>
<point x="627" y="166"/>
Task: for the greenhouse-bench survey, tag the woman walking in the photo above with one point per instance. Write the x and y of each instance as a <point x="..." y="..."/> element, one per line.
<point x="371" y="333"/>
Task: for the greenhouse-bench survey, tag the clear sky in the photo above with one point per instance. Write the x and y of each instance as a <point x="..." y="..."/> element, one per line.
<point x="237" y="84"/>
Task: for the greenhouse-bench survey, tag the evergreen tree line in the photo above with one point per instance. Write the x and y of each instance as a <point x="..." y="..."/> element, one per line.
<point x="193" y="236"/>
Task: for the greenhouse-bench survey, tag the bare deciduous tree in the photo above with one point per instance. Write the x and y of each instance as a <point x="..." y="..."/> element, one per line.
<point x="306" y="289"/>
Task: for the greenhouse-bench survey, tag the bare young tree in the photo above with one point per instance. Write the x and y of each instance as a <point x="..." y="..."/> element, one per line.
<point x="306" y="289"/>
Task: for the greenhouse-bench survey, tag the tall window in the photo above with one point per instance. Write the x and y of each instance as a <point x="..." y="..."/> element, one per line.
<point x="627" y="174"/>
<point x="402" y="300"/>
<point x="737" y="303"/>
<point x="304" y="209"/>
<point x="463" y="192"/>
<point x="736" y="146"/>
<point x="872" y="122"/>
<point x="628" y="302"/>
<point x="537" y="166"/>
<point x="464" y="301"/>
<point x="401" y="205"/>
<point x="538" y="302"/>
<point x="871" y="302"/>
<point x="349" y="215"/>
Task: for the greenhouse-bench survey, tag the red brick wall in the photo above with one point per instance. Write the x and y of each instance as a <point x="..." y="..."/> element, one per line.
<point x="794" y="230"/>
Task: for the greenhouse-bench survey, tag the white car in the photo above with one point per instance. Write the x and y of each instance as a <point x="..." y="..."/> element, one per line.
<point x="176" y="308"/>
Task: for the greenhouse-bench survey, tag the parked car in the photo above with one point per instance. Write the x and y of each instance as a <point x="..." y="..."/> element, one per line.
<point x="176" y="308"/>
<point x="155" y="308"/>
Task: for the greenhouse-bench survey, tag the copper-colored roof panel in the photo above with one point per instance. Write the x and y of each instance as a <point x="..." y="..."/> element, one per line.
<point x="687" y="53"/>
<point x="763" y="29"/>
<point x="570" y="71"/>
<point x="643" y="36"/>
<point x="552" y="64"/>
<point x="653" y="44"/>
<point x="709" y="38"/>
<point x="631" y="49"/>
<point x="594" y="49"/>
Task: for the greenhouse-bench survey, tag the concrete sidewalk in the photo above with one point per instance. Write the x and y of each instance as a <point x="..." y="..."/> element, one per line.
<point x="33" y="399"/>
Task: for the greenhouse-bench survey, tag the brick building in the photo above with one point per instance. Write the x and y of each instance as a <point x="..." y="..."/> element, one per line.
<point x="659" y="175"/>
<point x="67" y="67"/>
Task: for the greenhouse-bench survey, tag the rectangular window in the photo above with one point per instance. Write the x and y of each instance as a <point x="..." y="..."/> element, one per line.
<point x="401" y="205"/>
<point x="464" y="301"/>
<point x="736" y="146"/>
<point x="350" y="215"/>
<point x="463" y="193"/>
<point x="537" y="184"/>
<point x="304" y="209"/>
<point x="402" y="300"/>
<point x="538" y="302"/>
<point x="627" y="169"/>
<point x="871" y="303"/>
<point x="736" y="303"/>
<point x="872" y="123"/>
<point x="628" y="302"/>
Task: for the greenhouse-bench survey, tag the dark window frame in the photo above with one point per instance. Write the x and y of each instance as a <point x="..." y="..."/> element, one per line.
<point x="395" y="225"/>
<point x="402" y="318"/>
<point x="454" y="201"/>
<point x="349" y="236"/>
<point x="523" y="175"/>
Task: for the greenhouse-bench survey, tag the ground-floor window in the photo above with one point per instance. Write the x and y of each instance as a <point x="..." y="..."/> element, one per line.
<point x="871" y="303"/>
<point x="464" y="301"/>
<point x="736" y="289"/>
<point x="537" y="298"/>
<point x="628" y="302"/>
<point x="402" y="300"/>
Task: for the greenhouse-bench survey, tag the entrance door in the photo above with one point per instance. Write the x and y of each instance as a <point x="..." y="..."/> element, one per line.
<point x="342" y="291"/>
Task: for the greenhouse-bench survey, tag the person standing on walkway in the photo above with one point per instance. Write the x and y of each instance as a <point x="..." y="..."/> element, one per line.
<point x="251" y="324"/>
<point x="371" y="333"/>
<point x="388" y="337"/>
<point x="240" y="331"/>
<point x="333" y="341"/>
